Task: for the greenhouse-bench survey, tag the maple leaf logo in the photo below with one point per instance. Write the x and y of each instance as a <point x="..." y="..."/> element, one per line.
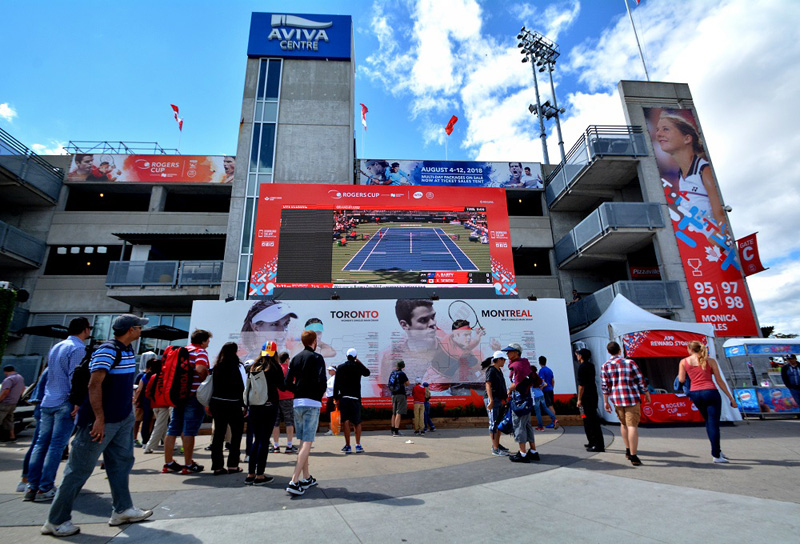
<point x="713" y="254"/>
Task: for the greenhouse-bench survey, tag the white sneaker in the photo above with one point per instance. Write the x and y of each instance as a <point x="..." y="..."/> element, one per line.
<point x="721" y="459"/>
<point x="44" y="496"/>
<point x="328" y="433"/>
<point x="22" y="487"/>
<point x="65" y="529"/>
<point x="131" y="515"/>
<point x="246" y="458"/>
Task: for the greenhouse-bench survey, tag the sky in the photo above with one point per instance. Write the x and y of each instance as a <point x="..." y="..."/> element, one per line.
<point x="110" y="70"/>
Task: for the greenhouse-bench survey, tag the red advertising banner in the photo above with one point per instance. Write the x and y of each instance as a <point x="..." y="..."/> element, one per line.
<point x="103" y="167"/>
<point x="670" y="408"/>
<point x="748" y="253"/>
<point x="710" y="259"/>
<point x="659" y="343"/>
<point x="382" y="235"/>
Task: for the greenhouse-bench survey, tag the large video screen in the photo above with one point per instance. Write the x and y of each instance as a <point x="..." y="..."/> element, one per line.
<point x="346" y="236"/>
<point x="509" y="175"/>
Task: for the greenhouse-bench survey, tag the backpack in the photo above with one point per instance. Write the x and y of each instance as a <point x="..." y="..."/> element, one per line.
<point x="521" y="405"/>
<point x="79" y="383"/>
<point x="205" y="390"/>
<point x="506" y="425"/>
<point x="255" y="390"/>
<point x="173" y="385"/>
<point x="395" y="387"/>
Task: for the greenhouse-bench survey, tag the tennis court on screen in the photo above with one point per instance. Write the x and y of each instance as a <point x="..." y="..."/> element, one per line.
<point x="410" y="249"/>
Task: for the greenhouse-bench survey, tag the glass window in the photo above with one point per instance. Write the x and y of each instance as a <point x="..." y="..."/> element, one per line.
<point x="248" y="225"/>
<point x="241" y="291"/>
<point x="101" y="329"/>
<point x="270" y="112"/>
<point x="244" y="267"/>
<point x="259" y="110"/>
<point x="254" y="147"/>
<point x="252" y="185"/>
<point x="182" y="322"/>
<point x="273" y="79"/>
<point x="262" y="79"/>
<point x="267" y="146"/>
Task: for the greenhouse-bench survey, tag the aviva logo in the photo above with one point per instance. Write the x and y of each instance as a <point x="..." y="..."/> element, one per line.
<point x="297" y="22"/>
<point x="301" y="34"/>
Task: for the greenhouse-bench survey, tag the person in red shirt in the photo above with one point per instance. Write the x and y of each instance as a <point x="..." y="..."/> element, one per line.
<point x="418" y="394"/>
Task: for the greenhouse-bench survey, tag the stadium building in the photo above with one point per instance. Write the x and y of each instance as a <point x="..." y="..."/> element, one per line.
<point x="152" y="233"/>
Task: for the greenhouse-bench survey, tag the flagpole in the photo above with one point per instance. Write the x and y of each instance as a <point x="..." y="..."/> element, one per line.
<point x="445" y="147"/>
<point x="636" y="34"/>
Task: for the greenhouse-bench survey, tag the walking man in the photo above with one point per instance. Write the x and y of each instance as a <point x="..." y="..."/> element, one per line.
<point x="56" y="424"/>
<point x="546" y="374"/>
<point x="347" y="393"/>
<point x="587" y="400"/>
<point x="496" y="394"/>
<point x="398" y="381"/>
<point x="105" y="427"/>
<point x="623" y="385"/>
<point x="790" y="373"/>
<point x="306" y="378"/>
<point x="10" y="392"/>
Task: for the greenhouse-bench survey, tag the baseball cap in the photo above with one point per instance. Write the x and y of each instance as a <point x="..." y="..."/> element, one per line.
<point x="499" y="355"/>
<point x="274" y="312"/>
<point x="126" y="321"/>
<point x="269" y="349"/>
<point x="352" y="352"/>
<point x="417" y="380"/>
<point x="424" y="384"/>
<point x="332" y="368"/>
<point x="513" y="347"/>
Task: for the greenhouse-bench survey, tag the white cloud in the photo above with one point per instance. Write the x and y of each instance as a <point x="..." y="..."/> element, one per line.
<point x="7" y="112"/>
<point x="53" y="148"/>
<point x="556" y="17"/>
<point x="744" y="81"/>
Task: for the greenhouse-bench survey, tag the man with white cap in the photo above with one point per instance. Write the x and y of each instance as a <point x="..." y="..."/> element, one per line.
<point x="104" y="427"/>
<point x="496" y="395"/>
<point x="347" y="393"/>
<point x="330" y="405"/>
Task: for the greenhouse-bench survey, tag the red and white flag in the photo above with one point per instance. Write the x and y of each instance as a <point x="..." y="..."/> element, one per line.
<point x="178" y="119"/>
<point x="449" y="128"/>
<point x="364" y="111"/>
<point x="748" y="254"/>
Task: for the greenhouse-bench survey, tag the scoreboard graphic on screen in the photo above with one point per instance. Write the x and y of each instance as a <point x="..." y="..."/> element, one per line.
<point x="347" y="236"/>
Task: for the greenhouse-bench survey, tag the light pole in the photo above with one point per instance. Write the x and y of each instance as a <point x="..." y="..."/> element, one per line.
<point x="543" y="52"/>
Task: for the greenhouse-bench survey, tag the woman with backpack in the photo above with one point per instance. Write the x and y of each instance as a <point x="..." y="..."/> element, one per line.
<point x="264" y="378"/>
<point x="226" y="408"/>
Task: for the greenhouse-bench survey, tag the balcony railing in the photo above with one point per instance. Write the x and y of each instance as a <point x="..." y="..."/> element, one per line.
<point x="596" y="142"/>
<point x="16" y="242"/>
<point x="163" y="273"/>
<point x="651" y="295"/>
<point x="607" y="217"/>
<point x="29" y="167"/>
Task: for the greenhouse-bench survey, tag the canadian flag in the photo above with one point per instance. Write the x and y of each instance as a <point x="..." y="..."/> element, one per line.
<point x="449" y="128"/>
<point x="364" y="111"/>
<point x="178" y="119"/>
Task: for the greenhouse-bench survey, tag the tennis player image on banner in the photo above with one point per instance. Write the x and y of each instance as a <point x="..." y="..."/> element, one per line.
<point x="441" y="342"/>
<point x="103" y="167"/>
<point x="509" y="175"/>
<point x="709" y="255"/>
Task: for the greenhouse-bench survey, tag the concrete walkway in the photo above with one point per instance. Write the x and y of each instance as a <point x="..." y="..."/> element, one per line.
<point x="445" y="487"/>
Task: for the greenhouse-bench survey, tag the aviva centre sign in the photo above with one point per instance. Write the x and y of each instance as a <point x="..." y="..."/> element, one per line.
<point x="300" y="36"/>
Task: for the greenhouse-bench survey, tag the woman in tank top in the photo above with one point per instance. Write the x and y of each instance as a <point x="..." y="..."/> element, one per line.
<point x="702" y="372"/>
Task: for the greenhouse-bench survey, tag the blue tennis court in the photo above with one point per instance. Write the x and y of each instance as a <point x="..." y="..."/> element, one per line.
<point x="410" y="249"/>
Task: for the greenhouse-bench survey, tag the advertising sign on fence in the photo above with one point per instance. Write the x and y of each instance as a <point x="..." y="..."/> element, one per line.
<point x="441" y="342"/>
<point x="104" y="167"/>
<point x="709" y="255"/>
<point x="509" y="175"/>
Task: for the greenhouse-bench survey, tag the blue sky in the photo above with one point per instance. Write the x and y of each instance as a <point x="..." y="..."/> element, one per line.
<point x="109" y="71"/>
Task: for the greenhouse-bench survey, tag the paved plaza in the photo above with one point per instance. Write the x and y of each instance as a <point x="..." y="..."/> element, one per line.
<point x="445" y="487"/>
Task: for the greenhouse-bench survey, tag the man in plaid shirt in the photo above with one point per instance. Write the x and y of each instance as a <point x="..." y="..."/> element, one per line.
<point x="624" y="385"/>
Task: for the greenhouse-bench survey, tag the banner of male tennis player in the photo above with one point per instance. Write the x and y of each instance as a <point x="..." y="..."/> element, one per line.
<point x="103" y="167"/>
<point x="441" y="342"/>
<point x="510" y="175"/>
<point x="709" y="255"/>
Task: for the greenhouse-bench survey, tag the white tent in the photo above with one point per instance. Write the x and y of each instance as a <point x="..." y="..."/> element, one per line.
<point x="624" y="317"/>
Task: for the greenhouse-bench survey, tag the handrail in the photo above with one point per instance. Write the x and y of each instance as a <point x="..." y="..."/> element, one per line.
<point x="21" y="149"/>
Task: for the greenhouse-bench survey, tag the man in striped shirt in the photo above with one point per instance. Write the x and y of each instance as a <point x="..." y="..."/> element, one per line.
<point x="104" y="427"/>
<point x="623" y="385"/>
<point x="187" y="419"/>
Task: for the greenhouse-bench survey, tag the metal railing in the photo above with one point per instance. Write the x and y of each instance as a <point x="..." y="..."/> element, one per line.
<point x="119" y="148"/>
<point x="596" y="141"/>
<point x="21" y="244"/>
<point x="29" y="167"/>
<point x="163" y="273"/>
<point x="662" y="295"/>
<point x="607" y="217"/>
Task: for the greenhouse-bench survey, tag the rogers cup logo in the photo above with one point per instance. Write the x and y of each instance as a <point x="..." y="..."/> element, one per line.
<point x="417" y="195"/>
<point x="336" y="195"/>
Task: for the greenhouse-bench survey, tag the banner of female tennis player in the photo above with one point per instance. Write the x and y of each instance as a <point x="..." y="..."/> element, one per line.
<point x="441" y="342"/>
<point x="709" y="255"/>
<point x="104" y="167"/>
<point x="510" y="175"/>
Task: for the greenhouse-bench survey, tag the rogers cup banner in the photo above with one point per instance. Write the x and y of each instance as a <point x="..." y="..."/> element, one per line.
<point x="510" y="175"/>
<point x="709" y="256"/>
<point x="419" y="332"/>
<point x="102" y="167"/>
<point x="660" y="343"/>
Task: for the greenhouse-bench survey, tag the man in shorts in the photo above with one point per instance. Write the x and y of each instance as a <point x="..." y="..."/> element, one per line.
<point x="496" y="394"/>
<point x="285" y="413"/>
<point x="623" y="385"/>
<point x="306" y="378"/>
<point x="187" y="418"/>
<point x="399" y="398"/>
<point x="347" y="394"/>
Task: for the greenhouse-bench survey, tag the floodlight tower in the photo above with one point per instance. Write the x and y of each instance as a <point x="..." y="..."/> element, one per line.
<point x="543" y="52"/>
